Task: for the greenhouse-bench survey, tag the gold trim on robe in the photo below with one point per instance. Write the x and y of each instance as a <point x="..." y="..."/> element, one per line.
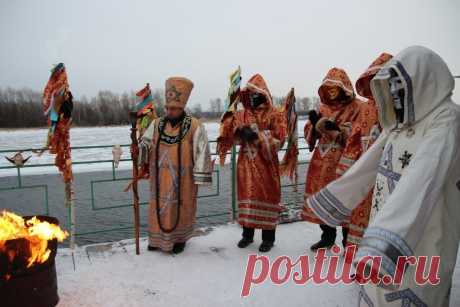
<point x="195" y="169"/>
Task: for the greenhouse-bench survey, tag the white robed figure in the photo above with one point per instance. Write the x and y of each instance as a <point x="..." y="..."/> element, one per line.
<point x="415" y="168"/>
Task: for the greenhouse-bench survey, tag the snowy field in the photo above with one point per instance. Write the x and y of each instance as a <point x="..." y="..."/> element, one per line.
<point x="210" y="272"/>
<point x="35" y="138"/>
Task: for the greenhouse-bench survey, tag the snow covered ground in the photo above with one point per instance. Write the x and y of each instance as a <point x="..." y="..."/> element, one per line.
<point x="209" y="273"/>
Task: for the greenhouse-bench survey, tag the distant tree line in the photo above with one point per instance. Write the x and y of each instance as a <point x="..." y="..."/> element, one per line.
<point x="303" y="105"/>
<point x="21" y="108"/>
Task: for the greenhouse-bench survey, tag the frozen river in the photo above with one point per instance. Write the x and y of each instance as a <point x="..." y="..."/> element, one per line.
<point x="35" y="138"/>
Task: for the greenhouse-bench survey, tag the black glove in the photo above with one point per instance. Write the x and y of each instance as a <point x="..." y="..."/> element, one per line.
<point x="314" y="117"/>
<point x="331" y="126"/>
<point x="67" y="106"/>
<point x="247" y="134"/>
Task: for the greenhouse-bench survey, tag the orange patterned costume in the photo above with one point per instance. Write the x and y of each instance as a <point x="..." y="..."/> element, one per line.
<point x="322" y="167"/>
<point x="55" y="99"/>
<point x="365" y="131"/>
<point x="259" y="188"/>
<point x="178" y="161"/>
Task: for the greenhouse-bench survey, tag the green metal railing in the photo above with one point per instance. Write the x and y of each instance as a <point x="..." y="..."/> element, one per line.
<point x="114" y="178"/>
<point x="21" y="186"/>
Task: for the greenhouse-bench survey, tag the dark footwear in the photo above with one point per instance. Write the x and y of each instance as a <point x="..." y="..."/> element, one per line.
<point x="244" y="243"/>
<point x="265" y="247"/>
<point x="345" y="236"/>
<point x="321" y="244"/>
<point x="152" y="248"/>
<point x="178" y="248"/>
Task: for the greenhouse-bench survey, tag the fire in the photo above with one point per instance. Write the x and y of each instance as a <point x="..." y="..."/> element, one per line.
<point x="36" y="232"/>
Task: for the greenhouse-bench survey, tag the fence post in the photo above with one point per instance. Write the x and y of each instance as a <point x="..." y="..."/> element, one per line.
<point x="70" y="204"/>
<point x="19" y="177"/>
<point x="234" y="196"/>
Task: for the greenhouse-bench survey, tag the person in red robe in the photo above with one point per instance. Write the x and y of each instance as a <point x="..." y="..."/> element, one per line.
<point x="330" y="127"/>
<point x="365" y="130"/>
<point x="260" y="130"/>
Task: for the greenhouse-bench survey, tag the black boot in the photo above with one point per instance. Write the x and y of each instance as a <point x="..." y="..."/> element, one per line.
<point x="268" y="240"/>
<point x="248" y="237"/>
<point x="265" y="247"/>
<point x="152" y="248"/>
<point x="243" y="243"/>
<point x="321" y="244"/>
<point x="178" y="248"/>
<point x="345" y="231"/>
<point x="327" y="238"/>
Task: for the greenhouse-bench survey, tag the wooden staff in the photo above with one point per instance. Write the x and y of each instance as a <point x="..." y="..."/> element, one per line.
<point x="69" y="201"/>
<point x="134" y="158"/>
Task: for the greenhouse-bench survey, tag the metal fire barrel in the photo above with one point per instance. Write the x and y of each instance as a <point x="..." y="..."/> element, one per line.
<point x="28" y="287"/>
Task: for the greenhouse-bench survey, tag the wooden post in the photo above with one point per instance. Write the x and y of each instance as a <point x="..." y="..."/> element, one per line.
<point x="134" y="158"/>
<point x="71" y="205"/>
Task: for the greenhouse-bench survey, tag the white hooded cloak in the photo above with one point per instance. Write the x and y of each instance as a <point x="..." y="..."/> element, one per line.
<point x="414" y="168"/>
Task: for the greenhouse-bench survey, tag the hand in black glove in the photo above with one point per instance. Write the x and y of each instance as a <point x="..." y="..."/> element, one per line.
<point x="247" y="134"/>
<point x="314" y="117"/>
<point x="331" y="126"/>
<point x="67" y="106"/>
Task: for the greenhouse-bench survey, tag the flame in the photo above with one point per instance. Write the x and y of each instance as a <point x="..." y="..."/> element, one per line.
<point x="36" y="232"/>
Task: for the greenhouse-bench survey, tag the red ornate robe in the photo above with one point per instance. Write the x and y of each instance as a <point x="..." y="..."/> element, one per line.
<point x="365" y="130"/>
<point x="328" y="151"/>
<point x="258" y="176"/>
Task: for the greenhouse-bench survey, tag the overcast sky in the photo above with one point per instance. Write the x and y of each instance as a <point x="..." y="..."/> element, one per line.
<point x="120" y="45"/>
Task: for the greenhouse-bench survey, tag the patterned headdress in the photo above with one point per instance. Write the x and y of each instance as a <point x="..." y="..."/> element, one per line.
<point x="177" y="91"/>
<point x="54" y="92"/>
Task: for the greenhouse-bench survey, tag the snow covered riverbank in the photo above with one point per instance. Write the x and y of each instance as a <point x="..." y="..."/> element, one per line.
<point x="87" y="136"/>
<point x="209" y="273"/>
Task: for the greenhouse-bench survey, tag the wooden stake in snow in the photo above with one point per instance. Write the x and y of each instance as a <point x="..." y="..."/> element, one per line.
<point x="134" y="158"/>
<point x="69" y="201"/>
